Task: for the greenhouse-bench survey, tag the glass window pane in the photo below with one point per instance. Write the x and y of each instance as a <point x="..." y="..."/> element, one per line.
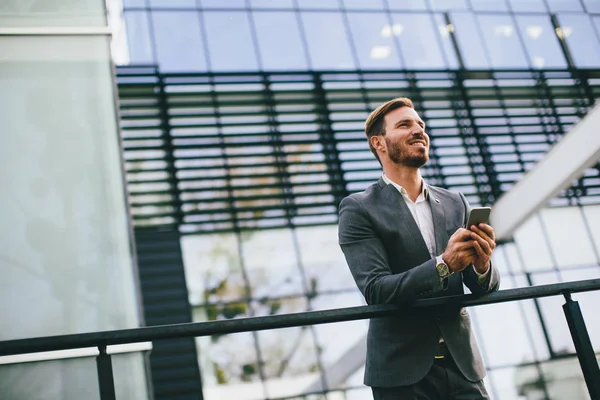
<point x="419" y="42"/>
<point x="568" y="236"/>
<point x="173" y="3"/>
<point x="581" y="39"/>
<point x="592" y="6"/>
<point x="532" y="245"/>
<point x="541" y="41"/>
<point x="528" y="5"/>
<point x="373" y="38"/>
<point x="592" y="213"/>
<point x="445" y="5"/>
<point x="447" y="45"/>
<point x="222" y="4"/>
<point x="407" y="5"/>
<point x="134" y="3"/>
<point x="178" y="41"/>
<point x="469" y="41"/>
<point x="564" y="5"/>
<point x="319" y="4"/>
<point x="272" y="3"/>
<point x="230" y="41"/>
<point x="138" y="37"/>
<point x="328" y="44"/>
<point x="287" y="40"/>
<point x="489" y="5"/>
<point x="502" y="42"/>
<point x="363" y="4"/>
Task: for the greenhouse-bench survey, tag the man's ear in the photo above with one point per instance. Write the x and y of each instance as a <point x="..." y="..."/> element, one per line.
<point x="378" y="142"/>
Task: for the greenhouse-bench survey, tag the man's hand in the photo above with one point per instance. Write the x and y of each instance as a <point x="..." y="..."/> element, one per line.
<point x="460" y="252"/>
<point x="484" y="242"/>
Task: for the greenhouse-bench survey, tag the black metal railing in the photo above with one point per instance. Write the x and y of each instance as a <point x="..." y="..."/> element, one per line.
<point x="101" y="340"/>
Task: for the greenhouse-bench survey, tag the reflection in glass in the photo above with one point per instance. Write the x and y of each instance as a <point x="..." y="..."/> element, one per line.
<point x="446" y="5"/>
<point x="328" y="44"/>
<point x="418" y="41"/>
<point x="138" y="37"/>
<point x="564" y="5"/>
<point x="271" y="263"/>
<point x="372" y="35"/>
<point x="178" y="41"/>
<point x="223" y="4"/>
<point x="540" y="42"/>
<point x="489" y="5"/>
<point x="407" y="5"/>
<point x="230" y="41"/>
<point x="173" y="3"/>
<point x="577" y="31"/>
<point x="444" y="32"/>
<point x="272" y="3"/>
<point x="527" y="5"/>
<point x="283" y="50"/>
<point x="322" y="4"/>
<point x="531" y="243"/>
<point x="592" y="6"/>
<point x="469" y="41"/>
<point x="363" y="4"/>
<point x="568" y="237"/>
<point x="502" y="43"/>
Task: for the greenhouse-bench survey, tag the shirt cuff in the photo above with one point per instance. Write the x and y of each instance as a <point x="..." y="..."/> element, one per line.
<point x="482" y="278"/>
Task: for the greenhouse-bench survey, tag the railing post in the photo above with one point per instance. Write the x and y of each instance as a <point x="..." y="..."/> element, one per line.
<point x="105" y="375"/>
<point x="583" y="346"/>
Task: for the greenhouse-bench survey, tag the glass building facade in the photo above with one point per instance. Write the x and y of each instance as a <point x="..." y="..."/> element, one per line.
<point x="242" y="124"/>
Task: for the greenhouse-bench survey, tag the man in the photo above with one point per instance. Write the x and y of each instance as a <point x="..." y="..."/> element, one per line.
<point x="404" y="240"/>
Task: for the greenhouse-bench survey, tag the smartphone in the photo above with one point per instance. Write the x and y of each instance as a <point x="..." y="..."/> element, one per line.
<point x="479" y="215"/>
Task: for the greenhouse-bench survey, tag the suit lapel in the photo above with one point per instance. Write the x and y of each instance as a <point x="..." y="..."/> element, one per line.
<point x="396" y="202"/>
<point x="439" y="221"/>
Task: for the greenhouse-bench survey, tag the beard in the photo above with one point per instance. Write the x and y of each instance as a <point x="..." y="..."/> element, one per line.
<point x="404" y="155"/>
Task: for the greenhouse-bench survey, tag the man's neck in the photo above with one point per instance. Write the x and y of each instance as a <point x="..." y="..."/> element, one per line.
<point x="409" y="178"/>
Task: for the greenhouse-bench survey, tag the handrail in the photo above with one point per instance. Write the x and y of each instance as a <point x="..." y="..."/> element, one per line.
<point x="579" y="333"/>
<point x="195" y="329"/>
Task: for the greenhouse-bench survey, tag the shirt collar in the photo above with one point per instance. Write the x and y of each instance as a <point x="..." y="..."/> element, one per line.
<point x="424" y="190"/>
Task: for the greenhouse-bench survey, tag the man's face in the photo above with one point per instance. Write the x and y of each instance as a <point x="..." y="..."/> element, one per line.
<point x="406" y="141"/>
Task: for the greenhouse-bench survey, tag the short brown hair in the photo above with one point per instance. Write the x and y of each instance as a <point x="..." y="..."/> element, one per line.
<point x="375" y="124"/>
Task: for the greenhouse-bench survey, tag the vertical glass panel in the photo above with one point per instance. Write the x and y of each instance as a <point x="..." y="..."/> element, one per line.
<point x="592" y="213"/>
<point x="272" y="3"/>
<point x="489" y="5"/>
<point x="444" y="32"/>
<point x="592" y="6"/>
<point x="469" y="41"/>
<point x="52" y="13"/>
<point x="222" y="4"/>
<point x="373" y="36"/>
<point x="173" y="3"/>
<point x="287" y="40"/>
<point x="323" y="260"/>
<point x="502" y="42"/>
<point x="527" y="5"/>
<point x="540" y="41"/>
<point x="319" y="4"/>
<point x="418" y="41"/>
<point x="230" y="41"/>
<point x="581" y="39"/>
<point x="568" y="236"/>
<point x="564" y="5"/>
<point x="213" y="270"/>
<point x="363" y="4"/>
<point x="272" y="266"/>
<point x="138" y="37"/>
<point x="407" y="5"/>
<point x="328" y="43"/>
<point x="65" y="258"/>
<point x="531" y="242"/>
<point x="446" y="5"/>
<point x="178" y="41"/>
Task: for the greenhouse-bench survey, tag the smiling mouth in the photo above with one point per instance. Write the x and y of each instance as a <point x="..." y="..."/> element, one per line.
<point x="418" y="144"/>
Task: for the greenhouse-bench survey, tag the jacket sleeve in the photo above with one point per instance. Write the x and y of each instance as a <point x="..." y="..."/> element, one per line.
<point x="469" y="275"/>
<point x="367" y="258"/>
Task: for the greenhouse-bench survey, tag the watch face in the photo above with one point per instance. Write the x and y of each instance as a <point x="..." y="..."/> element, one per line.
<point x="443" y="269"/>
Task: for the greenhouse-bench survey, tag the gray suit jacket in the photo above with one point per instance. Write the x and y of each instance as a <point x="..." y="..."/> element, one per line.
<point x="390" y="263"/>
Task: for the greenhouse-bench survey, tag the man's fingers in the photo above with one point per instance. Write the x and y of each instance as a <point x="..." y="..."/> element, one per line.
<point x="484" y="230"/>
<point x="484" y="243"/>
